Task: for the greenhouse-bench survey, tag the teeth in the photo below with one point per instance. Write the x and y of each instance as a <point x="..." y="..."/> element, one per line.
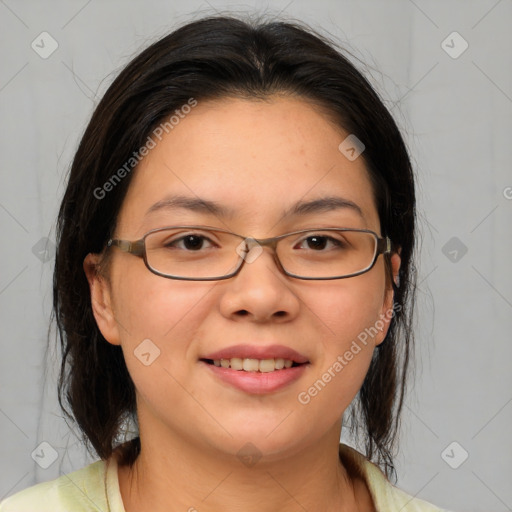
<point x="251" y="365"/>
<point x="265" y="365"/>
<point x="236" y="363"/>
<point x="254" y="365"/>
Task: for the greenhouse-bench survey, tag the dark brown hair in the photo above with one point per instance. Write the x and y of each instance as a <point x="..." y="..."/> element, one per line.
<point x="214" y="58"/>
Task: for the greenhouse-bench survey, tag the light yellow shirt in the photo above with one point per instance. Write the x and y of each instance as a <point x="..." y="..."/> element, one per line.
<point x="96" y="488"/>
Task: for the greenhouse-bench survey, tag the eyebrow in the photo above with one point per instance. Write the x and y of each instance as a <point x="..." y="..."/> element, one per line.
<point x="191" y="203"/>
<point x="323" y="204"/>
<point x="206" y="206"/>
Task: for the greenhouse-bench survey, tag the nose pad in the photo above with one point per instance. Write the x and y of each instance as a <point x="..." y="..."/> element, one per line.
<point x="249" y="250"/>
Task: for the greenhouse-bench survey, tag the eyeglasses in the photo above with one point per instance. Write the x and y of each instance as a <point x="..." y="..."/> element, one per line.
<point x="198" y="253"/>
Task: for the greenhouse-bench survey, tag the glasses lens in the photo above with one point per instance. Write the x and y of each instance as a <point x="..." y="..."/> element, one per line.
<point x="324" y="253"/>
<point x="192" y="253"/>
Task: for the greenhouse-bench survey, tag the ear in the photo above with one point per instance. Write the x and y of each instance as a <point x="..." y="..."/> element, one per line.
<point x="387" y="311"/>
<point x="101" y="299"/>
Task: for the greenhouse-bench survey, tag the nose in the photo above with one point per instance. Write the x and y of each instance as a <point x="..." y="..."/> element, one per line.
<point x="260" y="292"/>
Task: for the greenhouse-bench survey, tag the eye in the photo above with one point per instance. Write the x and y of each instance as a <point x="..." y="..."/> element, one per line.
<point x="321" y="242"/>
<point x="190" y="242"/>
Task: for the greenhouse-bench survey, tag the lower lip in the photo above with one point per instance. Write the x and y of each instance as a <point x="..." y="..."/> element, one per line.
<point x="258" y="383"/>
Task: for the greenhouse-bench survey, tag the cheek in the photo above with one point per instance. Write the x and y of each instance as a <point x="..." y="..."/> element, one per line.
<point x="166" y="312"/>
<point x="346" y="309"/>
<point x="348" y="317"/>
<point x="159" y="320"/>
<point x="148" y="305"/>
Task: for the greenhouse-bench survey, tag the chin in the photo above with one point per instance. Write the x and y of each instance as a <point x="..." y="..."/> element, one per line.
<point x="262" y="440"/>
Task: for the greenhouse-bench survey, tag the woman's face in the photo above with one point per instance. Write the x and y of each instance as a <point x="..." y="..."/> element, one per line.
<point x="257" y="161"/>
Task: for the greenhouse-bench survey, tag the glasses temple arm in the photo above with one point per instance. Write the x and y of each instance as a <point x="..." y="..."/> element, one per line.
<point x="384" y="246"/>
<point x="136" y="248"/>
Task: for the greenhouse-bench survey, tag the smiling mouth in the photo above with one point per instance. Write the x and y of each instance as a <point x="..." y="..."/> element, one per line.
<point x="254" y="365"/>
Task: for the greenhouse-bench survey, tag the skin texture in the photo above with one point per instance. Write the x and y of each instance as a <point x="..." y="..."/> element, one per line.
<point x="256" y="158"/>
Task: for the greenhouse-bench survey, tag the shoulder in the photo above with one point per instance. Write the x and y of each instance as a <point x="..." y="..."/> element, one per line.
<point x="384" y="494"/>
<point x="78" y="491"/>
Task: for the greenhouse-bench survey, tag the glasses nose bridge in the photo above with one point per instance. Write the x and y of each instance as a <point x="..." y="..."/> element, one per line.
<point x="266" y="242"/>
<point x="251" y="242"/>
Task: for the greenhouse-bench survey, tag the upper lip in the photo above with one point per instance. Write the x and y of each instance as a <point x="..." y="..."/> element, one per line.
<point x="258" y="352"/>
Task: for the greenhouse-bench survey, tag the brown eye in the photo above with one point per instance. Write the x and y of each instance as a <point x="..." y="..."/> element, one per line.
<point x="319" y="243"/>
<point x="191" y="242"/>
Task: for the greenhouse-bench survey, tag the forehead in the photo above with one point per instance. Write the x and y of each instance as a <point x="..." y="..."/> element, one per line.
<point x="254" y="158"/>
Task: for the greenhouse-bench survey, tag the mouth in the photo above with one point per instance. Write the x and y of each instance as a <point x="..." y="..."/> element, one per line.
<point x="256" y="369"/>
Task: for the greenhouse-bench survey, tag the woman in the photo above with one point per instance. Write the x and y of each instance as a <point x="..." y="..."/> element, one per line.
<point x="234" y="270"/>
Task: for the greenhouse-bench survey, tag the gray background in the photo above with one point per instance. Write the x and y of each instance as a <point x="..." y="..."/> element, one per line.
<point x="456" y="116"/>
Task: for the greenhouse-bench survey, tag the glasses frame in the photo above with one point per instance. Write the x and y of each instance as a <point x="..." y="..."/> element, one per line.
<point x="138" y="248"/>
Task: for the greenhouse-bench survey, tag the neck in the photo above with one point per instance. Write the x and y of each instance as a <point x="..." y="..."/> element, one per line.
<point x="177" y="475"/>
